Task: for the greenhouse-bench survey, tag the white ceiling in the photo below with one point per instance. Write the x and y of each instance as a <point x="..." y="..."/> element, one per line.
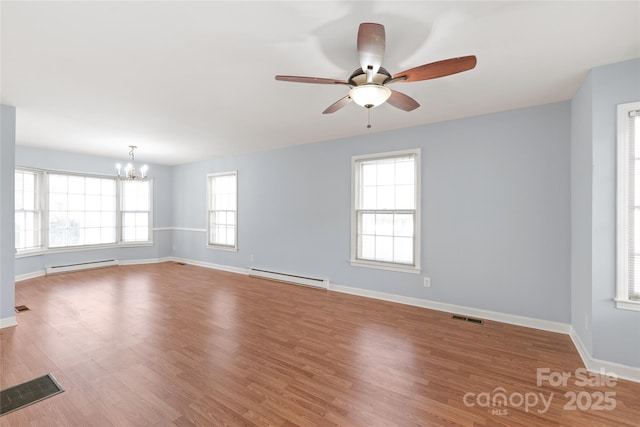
<point x="186" y="81"/>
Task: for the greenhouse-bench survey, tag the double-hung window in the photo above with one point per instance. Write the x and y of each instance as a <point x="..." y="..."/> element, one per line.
<point x="28" y="210"/>
<point x="385" y="215"/>
<point x="628" y="209"/>
<point x="135" y="211"/>
<point x="222" y="211"/>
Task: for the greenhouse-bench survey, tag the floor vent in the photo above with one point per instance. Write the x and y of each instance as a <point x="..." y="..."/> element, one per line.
<point x="467" y="319"/>
<point x="20" y="308"/>
<point x="289" y="278"/>
<point x="80" y="266"/>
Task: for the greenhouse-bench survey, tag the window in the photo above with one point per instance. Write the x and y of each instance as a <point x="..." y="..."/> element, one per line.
<point x="628" y="209"/>
<point x="136" y="211"/>
<point x="385" y="214"/>
<point x="28" y="210"/>
<point x="82" y="210"/>
<point x="222" y="210"/>
<point x="60" y="211"/>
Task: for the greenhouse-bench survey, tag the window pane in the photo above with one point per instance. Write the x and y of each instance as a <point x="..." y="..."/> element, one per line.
<point x="384" y="248"/>
<point x="405" y="172"/>
<point x="403" y="250"/>
<point x="386" y="173"/>
<point x="403" y="225"/>
<point x="405" y="197"/>
<point x="369" y="174"/>
<point x="58" y="201"/>
<point x="369" y="199"/>
<point x="75" y="184"/>
<point x="368" y="247"/>
<point x="385" y="197"/>
<point x="368" y="225"/>
<point x="57" y="184"/>
<point x="384" y="224"/>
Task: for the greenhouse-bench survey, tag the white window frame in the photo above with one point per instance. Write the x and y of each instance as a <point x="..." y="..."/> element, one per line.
<point x="43" y="200"/>
<point x="355" y="261"/>
<point x="39" y="210"/>
<point x="622" y="209"/>
<point x="210" y="211"/>
<point x="121" y="212"/>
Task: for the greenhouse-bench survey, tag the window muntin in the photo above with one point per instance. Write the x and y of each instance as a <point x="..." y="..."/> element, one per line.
<point x="222" y="210"/>
<point x="135" y="211"/>
<point x="28" y="211"/>
<point x="385" y="213"/>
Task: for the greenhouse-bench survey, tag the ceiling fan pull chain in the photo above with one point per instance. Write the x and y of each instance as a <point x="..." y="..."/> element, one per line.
<point x="368" y="118"/>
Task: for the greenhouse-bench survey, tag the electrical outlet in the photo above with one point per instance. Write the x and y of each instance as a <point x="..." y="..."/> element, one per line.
<point x="427" y="282"/>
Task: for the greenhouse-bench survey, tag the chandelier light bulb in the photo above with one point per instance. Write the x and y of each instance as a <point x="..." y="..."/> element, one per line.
<point x="130" y="172"/>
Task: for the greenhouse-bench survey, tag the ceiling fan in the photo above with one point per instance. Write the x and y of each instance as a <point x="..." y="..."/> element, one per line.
<point x="369" y="84"/>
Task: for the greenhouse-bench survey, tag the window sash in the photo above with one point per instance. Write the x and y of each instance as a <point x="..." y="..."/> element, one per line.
<point x="135" y="211"/>
<point x="28" y="211"/>
<point x="388" y="239"/>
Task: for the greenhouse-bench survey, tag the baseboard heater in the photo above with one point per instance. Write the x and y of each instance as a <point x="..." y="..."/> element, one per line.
<point x="80" y="266"/>
<point x="289" y="278"/>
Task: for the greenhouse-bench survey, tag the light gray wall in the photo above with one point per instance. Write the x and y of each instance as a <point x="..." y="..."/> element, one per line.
<point x="616" y="333"/>
<point x="7" y="211"/>
<point x="581" y="211"/>
<point x="74" y="162"/>
<point x="495" y="211"/>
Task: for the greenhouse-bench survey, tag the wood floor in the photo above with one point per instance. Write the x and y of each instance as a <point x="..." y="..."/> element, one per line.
<point x="179" y="345"/>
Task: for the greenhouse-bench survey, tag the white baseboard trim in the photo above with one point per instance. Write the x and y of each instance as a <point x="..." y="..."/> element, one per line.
<point x="145" y="261"/>
<point x="31" y="275"/>
<point x="238" y="270"/>
<point x="7" y="322"/>
<point x="598" y="366"/>
<point x="528" y="322"/>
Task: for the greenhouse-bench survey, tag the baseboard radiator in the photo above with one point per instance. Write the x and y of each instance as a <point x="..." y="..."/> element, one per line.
<point x="289" y="278"/>
<point x="80" y="266"/>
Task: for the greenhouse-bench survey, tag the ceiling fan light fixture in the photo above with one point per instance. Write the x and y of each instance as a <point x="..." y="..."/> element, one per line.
<point x="369" y="95"/>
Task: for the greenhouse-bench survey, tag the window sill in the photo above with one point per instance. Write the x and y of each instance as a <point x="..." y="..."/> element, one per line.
<point x="386" y="266"/>
<point x="626" y="304"/>
<point x="223" y="248"/>
<point x="40" y="252"/>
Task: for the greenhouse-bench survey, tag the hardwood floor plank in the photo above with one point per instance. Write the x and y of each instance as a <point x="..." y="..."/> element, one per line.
<point x="179" y="345"/>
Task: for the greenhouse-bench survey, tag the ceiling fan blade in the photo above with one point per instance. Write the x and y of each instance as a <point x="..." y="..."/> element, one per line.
<point x="316" y="80"/>
<point x="371" y="43"/>
<point x="438" y="69"/>
<point x="337" y="105"/>
<point x="402" y="101"/>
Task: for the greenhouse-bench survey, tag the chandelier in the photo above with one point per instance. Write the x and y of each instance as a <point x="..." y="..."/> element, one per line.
<point x="130" y="172"/>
